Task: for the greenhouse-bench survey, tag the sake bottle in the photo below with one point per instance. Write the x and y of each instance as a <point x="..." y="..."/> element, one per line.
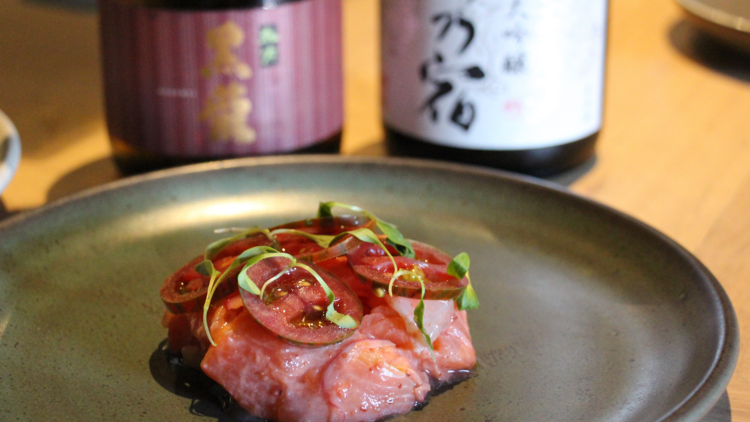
<point x="511" y="84"/>
<point x="197" y="80"/>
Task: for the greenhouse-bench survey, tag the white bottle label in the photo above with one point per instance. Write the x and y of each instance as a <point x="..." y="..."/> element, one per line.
<point x="494" y="74"/>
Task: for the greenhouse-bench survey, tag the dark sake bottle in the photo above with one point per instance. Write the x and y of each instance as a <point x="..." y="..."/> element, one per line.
<point x="511" y="84"/>
<point x="197" y="80"/>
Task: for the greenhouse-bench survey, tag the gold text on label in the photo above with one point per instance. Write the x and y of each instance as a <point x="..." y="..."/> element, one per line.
<point x="226" y="111"/>
<point x="223" y="40"/>
<point x="228" y="106"/>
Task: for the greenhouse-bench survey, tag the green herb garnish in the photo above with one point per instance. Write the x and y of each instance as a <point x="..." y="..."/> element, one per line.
<point x="367" y="235"/>
<point x="251" y="257"/>
<point x="206" y="267"/>
<point x="459" y="267"/>
<point x="419" y="310"/>
<point x="468" y="299"/>
<point x="344" y="321"/>
<point x="323" y="240"/>
<point x="215" y="247"/>
<point x="393" y="236"/>
<point x="419" y="319"/>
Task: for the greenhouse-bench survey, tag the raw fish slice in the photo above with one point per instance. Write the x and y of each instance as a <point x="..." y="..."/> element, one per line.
<point x="269" y="377"/>
<point x="452" y="348"/>
<point x="438" y="314"/>
<point x="371" y="379"/>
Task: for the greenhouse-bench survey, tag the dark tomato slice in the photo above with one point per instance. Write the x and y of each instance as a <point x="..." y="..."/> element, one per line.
<point x="294" y="306"/>
<point x="340" y="268"/>
<point x="237" y="247"/>
<point x="303" y="248"/>
<point x="185" y="290"/>
<point x="329" y="225"/>
<point x="374" y="267"/>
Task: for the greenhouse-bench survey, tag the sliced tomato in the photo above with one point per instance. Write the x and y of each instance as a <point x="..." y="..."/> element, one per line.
<point x="237" y="247"/>
<point x="294" y="306"/>
<point x="375" y="268"/>
<point x="329" y="225"/>
<point x="185" y="290"/>
<point x="302" y="247"/>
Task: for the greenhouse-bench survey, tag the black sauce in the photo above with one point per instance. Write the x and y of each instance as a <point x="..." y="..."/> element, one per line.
<point x="439" y="387"/>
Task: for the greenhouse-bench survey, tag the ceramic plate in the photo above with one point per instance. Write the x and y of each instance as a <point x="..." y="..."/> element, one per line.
<point x="586" y="314"/>
<point x="10" y="151"/>
<point x="727" y="20"/>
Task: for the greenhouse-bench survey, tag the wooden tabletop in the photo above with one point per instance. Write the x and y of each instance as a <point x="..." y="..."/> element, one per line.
<point x="674" y="151"/>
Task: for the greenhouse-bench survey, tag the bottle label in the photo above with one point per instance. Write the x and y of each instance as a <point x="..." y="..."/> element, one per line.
<point x="494" y="74"/>
<point x="223" y="83"/>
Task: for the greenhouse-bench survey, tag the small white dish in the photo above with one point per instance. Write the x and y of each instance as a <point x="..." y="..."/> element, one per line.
<point x="10" y="150"/>
<point x="726" y="20"/>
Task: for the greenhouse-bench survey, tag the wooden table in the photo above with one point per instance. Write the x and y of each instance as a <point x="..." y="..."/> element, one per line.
<point x="674" y="152"/>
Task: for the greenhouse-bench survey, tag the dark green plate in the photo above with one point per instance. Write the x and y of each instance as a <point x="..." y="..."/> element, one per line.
<point x="586" y="314"/>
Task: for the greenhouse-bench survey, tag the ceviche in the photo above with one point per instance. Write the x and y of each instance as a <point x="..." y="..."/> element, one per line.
<point x="332" y="318"/>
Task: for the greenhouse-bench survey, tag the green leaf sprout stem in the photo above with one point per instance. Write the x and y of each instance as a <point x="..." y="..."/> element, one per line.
<point x="214" y="248"/>
<point x="206" y="267"/>
<point x="458" y="267"/>
<point x="393" y="236"/>
<point x="251" y="257"/>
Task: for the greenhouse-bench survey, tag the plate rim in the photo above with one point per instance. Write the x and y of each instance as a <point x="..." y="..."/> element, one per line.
<point x="692" y="408"/>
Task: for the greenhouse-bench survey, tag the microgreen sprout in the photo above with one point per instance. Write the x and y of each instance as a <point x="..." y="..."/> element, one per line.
<point x="344" y="321"/>
<point x="393" y="236"/>
<point x="367" y="235"/>
<point x="419" y="319"/>
<point x="323" y="240"/>
<point x="215" y="247"/>
<point x="419" y="310"/>
<point x="206" y="267"/>
<point x="263" y="252"/>
<point x="458" y="267"/>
